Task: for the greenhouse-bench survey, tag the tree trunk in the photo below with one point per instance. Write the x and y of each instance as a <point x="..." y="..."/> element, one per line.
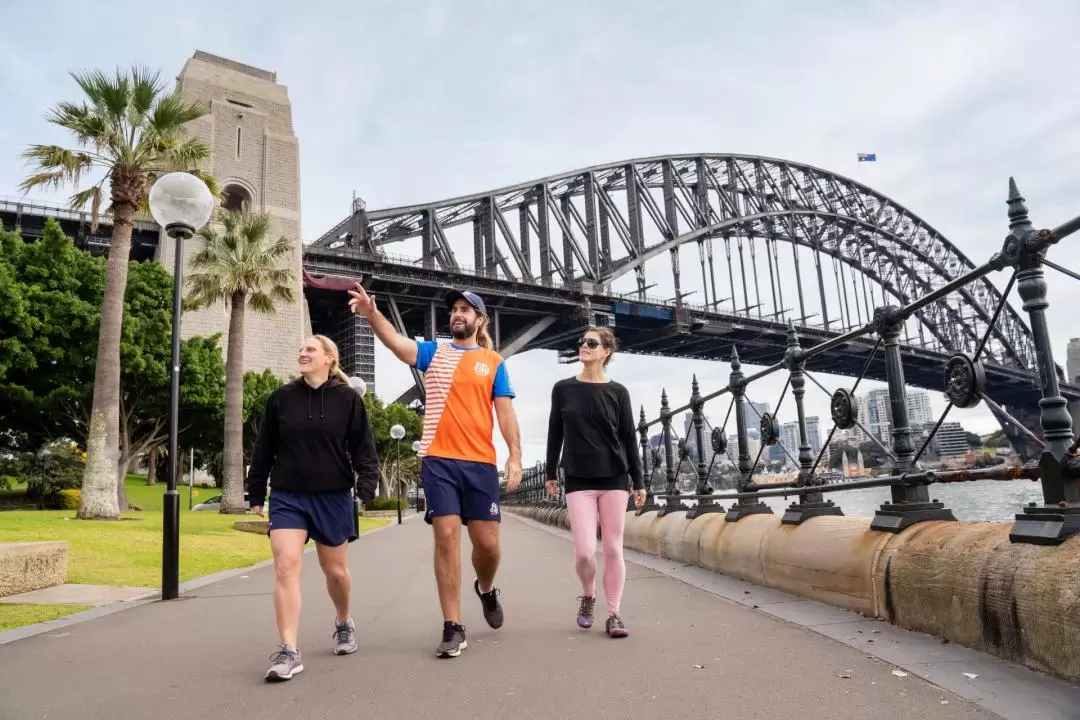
<point x="99" y="491"/>
<point x="121" y="487"/>
<point x="232" y="494"/>
<point x="151" y="467"/>
<point x="123" y="458"/>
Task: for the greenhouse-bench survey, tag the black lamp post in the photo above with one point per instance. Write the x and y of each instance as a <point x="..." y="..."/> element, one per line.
<point x="357" y="383"/>
<point x="182" y="204"/>
<point x="397" y="432"/>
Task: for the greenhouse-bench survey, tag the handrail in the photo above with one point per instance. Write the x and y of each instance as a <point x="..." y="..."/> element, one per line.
<point x="1057" y="465"/>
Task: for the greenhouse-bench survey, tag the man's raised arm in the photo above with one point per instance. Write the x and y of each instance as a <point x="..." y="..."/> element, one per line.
<point x="363" y="304"/>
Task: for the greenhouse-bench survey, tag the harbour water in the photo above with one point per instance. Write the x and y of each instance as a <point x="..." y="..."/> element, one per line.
<point x="992" y="500"/>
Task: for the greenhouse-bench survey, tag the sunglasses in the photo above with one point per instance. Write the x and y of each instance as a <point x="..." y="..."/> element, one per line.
<point x="591" y="343"/>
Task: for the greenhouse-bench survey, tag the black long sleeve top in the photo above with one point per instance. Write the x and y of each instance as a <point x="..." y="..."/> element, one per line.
<point x="314" y="440"/>
<point x="592" y="426"/>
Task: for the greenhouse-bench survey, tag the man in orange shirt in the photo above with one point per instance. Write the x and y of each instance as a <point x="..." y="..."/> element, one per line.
<point x="463" y="380"/>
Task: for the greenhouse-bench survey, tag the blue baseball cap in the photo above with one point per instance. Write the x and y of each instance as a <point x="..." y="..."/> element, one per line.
<point x="470" y="297"/>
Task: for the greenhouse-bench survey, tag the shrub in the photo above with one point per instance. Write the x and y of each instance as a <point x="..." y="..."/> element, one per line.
<point x="385" y="503"/>
<point x="66" y="499"/>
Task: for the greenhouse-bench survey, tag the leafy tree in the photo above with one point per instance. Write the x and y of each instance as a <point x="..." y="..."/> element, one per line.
<point x="130" y="128"/>
<point x="239" y="266"/>
<point x="382" y="418"/>
<point x="973" y="440"/>
<point x="47" y="389"/>
<point x="257" y="389"/>
<point x="50" y="295"/>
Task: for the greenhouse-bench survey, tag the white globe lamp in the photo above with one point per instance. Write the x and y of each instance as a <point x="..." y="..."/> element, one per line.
<point x="181" y="203"/>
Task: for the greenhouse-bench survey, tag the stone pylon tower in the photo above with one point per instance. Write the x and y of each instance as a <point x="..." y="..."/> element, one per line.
<point x="255" y="158"/>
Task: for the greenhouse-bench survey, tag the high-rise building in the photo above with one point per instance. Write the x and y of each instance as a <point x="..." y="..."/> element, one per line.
<point x="752" y="413"/>
<point x="1072" y="361"/>
<point x="255" y="159"/>
<point x="918" y="408"/>
<point x="789" y="437"/>
<point x="950" y="440"/>
<point x="813" y="432"/>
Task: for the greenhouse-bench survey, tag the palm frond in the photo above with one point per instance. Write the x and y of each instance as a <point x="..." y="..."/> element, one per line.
<point x="262" y="303"/>
<point x="205" y="289"/>
<point x="236" y="261"/>
<point x="146" y="87"/>
<point x="110" y="96"/>
<point x="173" y="112"/>
<point x="90" y="195"/>
<point x="59" y="164"/>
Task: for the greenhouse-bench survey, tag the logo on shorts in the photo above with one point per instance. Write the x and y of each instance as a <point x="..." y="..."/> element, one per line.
<point x="481" y="369"/>
<point x="494" y="508"/>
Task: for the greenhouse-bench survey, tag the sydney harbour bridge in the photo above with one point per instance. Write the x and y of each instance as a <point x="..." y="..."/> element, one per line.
<point x="777" y="243"/>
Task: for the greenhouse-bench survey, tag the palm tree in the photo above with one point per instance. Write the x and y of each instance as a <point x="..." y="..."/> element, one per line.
<point x="128" y="127"/>
<point x="239" y="268"/>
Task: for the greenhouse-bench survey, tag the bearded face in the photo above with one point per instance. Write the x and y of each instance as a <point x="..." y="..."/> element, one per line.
<point x="464" y="321"/>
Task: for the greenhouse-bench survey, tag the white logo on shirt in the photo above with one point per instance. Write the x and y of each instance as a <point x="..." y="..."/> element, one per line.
<point x="481" y="369"/>
<point x="494" y="508"/>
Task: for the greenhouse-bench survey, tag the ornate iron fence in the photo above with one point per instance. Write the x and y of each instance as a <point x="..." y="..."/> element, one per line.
<point x="1057" y="467"/>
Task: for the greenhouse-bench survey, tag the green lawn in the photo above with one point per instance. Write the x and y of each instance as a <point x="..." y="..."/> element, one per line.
<point x="16" y="615"/>
<point x="128" y="552"/>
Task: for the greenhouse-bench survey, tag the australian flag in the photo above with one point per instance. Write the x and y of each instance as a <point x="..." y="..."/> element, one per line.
<point x="867" y="157"/>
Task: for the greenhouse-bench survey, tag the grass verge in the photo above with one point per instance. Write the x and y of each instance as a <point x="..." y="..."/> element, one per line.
<point x="128" y="552"/>
<point x="13" y="615"/>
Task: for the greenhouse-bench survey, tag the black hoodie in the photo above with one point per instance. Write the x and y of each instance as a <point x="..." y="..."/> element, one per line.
<point x="314" y="440"/>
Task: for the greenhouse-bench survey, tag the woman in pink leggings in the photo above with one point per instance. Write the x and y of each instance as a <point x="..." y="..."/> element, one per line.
<point x="592" y="426"/>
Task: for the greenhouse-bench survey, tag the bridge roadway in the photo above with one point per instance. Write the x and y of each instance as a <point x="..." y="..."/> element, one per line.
<point x="691" y="654"/>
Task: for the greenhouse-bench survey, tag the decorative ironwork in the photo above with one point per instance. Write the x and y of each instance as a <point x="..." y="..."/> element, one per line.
<point x="1058" y="470"/>
<point x="719" y="441"/>
<point x="844" y="410"/>
<point x="769" y="427"/>
<point x="965" y="380"/>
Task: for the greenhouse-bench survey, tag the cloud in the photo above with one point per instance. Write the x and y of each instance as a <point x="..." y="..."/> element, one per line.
<point x="412" y="102"/>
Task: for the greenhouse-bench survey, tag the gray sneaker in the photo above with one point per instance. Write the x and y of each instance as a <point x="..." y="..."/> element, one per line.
<point x="453" y="640"/>
<point x="286" y="663"/>
<point x="345" y="634"/>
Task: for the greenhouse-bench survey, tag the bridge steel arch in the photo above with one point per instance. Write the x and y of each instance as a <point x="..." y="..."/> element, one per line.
<point x="576" y="234"/>
<point x="702" y="197"/>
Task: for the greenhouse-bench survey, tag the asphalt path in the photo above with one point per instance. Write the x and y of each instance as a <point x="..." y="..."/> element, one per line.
<point x="690" y="654"/>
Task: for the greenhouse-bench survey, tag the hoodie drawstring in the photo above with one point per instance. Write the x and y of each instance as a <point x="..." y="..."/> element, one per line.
<point x="322" y="403"/>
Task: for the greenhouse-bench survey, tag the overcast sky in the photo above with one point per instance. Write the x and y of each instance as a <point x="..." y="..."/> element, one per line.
<point x="414" y="101"/>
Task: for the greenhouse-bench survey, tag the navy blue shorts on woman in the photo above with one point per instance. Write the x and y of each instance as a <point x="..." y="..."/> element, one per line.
<point x="460" y="487"/>
<point x="328" y="517"/>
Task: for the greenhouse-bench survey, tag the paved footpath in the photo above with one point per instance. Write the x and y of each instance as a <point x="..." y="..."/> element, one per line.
<point x="691" y="654"/>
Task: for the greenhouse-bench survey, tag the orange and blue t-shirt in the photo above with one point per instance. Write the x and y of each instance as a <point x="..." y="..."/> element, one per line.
<point x="461" y="385"/>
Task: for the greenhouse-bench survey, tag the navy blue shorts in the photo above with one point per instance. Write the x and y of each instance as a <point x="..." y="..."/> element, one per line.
<point x="328" y="517"/>
<point x="459" y="487"/>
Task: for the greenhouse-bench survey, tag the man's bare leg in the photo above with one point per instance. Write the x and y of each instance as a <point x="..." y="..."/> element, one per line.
<point x="448" y="565"/>
<point x="484" y="535"/>
<point x="447" y="530"/>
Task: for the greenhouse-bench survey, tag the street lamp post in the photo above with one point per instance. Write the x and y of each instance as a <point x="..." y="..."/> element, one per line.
<point x="357" y="383"/>
<point x="182" y="204"/>
<point x="397" y="432"/>
<point x="416" y="449"/>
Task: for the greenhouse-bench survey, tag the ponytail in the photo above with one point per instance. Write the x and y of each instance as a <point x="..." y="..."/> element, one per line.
<point x="331" y="349"/>
<point x="337" y="372"/>
<point x="482" y="337"/>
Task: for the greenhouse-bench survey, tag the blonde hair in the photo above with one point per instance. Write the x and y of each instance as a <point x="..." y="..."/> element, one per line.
<point x="482" y="337"/>
<point x="330" y="348"/>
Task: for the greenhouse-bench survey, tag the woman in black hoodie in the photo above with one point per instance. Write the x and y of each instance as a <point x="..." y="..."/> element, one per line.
<point x="316" y="447"/>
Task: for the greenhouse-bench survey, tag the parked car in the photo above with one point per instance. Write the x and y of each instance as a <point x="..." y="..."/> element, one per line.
<point x="214" y="503"/>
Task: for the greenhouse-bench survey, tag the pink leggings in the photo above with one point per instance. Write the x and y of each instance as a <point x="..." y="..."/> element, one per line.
<point x="584" y="506"/>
